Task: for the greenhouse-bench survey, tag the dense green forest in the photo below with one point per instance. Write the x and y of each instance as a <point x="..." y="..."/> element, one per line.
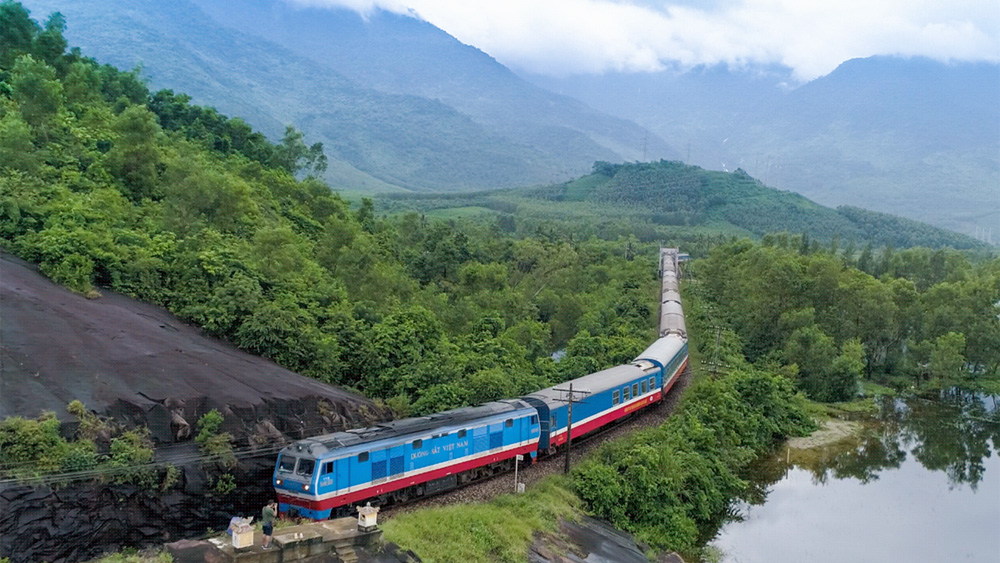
<point x="909" y="318"/>
<point x="104" y="184"/>
<point x="666" y="199"/>
<point x="436" y="302"/>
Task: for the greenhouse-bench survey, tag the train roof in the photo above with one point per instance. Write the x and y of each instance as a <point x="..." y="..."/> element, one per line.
<point x="662" y="350"/>
<point x="594" y="382"/>
<point x="410" y="426"/>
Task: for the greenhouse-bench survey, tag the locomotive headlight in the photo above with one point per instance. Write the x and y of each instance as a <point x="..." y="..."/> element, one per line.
<point x="305" y="487"/>
<point x="278" y="481"/>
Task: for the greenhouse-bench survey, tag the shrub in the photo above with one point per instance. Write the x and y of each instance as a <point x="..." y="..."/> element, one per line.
<point x="132" y="457"/>
<point x="31" y="447"/>
<point x="225" y="484"/>
<point x="213" y="444"/>
<point x="75" y="271"/>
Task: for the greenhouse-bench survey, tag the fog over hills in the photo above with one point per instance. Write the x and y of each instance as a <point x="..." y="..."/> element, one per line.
<point x="913" y="137"/>
<point x="403" y="55"/>
<point x="401" y="105"/>
<point x="375" y="139"/>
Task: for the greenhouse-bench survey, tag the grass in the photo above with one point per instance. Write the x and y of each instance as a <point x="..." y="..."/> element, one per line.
<point x="461" y="212"/>
<point x="129" y="555"/>
<point x="500" y="531"/>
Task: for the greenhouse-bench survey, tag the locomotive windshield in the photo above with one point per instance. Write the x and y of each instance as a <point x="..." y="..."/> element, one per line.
<point x="287" y="464"/>
<point x="306" y="467"/>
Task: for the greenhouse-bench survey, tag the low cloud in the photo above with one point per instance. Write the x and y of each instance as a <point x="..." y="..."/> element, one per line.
<point x="560" y="37"/>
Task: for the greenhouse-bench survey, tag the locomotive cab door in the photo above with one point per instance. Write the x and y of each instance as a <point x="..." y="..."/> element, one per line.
<point x="342" y="470"/>
<point x="544" y="421"/>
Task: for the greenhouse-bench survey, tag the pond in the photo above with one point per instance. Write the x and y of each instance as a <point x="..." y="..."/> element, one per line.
<point x="920" y="481"/>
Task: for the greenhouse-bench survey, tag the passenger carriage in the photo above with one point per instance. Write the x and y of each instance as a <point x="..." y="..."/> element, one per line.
<point x="608" y="395"/>
<point x="325" y="476"/>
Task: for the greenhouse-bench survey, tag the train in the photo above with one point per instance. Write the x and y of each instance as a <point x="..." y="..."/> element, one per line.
<point x="327" y="476"/>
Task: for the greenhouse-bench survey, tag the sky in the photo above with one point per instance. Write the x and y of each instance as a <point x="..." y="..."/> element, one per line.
<point x="811" y="37"/>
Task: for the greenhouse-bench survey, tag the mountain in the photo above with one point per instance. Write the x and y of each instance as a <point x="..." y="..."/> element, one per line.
<point x="404" y="55"/>
<point x="912" y="137"/>
<point x="375" y="139"/>
<point x="668" y="199"/>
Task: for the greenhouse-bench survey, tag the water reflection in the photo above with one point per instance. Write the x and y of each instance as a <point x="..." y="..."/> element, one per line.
<point x="920" y="480"/>
<point x="953" y="434"/>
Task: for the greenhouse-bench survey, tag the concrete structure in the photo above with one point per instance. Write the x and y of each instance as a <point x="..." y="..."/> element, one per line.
<point x="332" y="541"/>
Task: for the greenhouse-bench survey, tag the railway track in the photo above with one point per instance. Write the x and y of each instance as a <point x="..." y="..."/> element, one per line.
<point x="486" y="489"/>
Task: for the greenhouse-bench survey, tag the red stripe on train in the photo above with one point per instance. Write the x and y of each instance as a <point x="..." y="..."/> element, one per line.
<point x="388" y="487"/>
<point x="579" y="430"/>
<point x="591" y="425"/>
<point x="606" y="418"/>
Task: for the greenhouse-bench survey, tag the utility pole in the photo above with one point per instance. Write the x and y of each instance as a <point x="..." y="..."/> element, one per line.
<point x="569" y="419"/>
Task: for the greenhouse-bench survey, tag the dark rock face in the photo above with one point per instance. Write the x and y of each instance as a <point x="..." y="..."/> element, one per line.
<point x="141" y="366"/>
<point x="82" y="521"/>
<point x="591" y="539"/>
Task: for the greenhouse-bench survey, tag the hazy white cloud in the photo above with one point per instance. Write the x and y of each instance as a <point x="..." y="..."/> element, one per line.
<point x="810" y="36"/>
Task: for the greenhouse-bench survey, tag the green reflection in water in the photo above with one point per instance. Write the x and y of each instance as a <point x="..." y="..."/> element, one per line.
<point x="954" y="433"/>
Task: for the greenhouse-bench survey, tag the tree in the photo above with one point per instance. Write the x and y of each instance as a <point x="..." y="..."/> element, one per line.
<point x="136" y="155"/>
<point x="50" y="43"/>
<point x="947" y="359"/>
<point x="37" y="91"/>
<point x="294" y="156"/>
<point x="17" y="31"/>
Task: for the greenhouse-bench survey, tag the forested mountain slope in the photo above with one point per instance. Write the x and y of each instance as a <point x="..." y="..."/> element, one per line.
<point x="912" y="137"/>
<point x="405" y="55"/>
<point x="375" y="140"/>
<point x="664" y="199"/>
<point x="105" y="185"/>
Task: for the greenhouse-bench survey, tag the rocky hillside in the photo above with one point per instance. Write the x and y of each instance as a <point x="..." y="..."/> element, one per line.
<point x="141" y="366"/>
<point x="138" y="363"/>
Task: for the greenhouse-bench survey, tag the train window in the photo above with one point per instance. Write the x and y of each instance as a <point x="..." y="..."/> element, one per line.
<point x="616" y="397"/>
<point x="534" y="419"/>
<point x="417" y="444"/>
<point x="461" y="433"/>
<point x="362" y="457"/>
<point x="644" y="388"/>
<point x="625" y="394"/>
<point x="306" y="467"/>
<point x="328" y="467"/>
<point x="509" y="423"/>
<point x="287" y="464"/>
<point x="553" y="422"/>
<point x="652" y="383"/>
<point x="635" y="389"/>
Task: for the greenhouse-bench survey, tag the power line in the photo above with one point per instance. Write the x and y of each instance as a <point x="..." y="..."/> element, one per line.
<point x="569" y="422"/>
<point x="239" y="453"/>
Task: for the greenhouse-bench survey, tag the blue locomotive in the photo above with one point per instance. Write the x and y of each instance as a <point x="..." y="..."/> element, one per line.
<point x="405" y="458"/>
<point x="325" y="476"/>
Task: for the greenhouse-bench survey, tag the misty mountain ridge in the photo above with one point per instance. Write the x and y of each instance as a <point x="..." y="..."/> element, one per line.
<point x="909" y="136"/>
<point x="400" y="104"/>
<point x="376" y="139"/>
<point x="404" y="55"/>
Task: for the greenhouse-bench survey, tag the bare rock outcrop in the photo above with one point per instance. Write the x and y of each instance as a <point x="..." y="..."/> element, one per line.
<point x="138" y="365"/>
